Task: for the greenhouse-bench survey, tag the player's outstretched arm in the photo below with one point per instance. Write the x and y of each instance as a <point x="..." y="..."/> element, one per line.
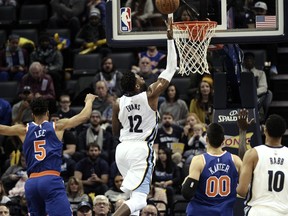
<point x="249" y="163"/>
<point x="116" y="125"/>
<point x="165" y="77"/>
<point x="243" y="124"/>
<point x="80" y="118"/>
<point x="15" y="130"/>
<point x="190" y="183"/>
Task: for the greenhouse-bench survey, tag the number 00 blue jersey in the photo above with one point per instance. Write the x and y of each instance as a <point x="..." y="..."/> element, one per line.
<point x="216" y="192"/>
<point x="42" y="143"/>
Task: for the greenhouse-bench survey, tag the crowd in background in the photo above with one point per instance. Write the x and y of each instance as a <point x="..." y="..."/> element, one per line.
<point x="88" y="166"/>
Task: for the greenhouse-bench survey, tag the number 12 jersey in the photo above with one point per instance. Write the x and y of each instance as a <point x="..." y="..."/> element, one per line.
<point x="138" y="120"/>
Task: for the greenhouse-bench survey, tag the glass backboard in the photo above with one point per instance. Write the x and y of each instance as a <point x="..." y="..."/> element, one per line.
<point x="138" y="23"/>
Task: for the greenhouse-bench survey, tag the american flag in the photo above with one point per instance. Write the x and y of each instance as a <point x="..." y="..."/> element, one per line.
<point x="265" y="21"/>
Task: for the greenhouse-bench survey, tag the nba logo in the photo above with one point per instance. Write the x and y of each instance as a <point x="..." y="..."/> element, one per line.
<point x="126" y="23"/>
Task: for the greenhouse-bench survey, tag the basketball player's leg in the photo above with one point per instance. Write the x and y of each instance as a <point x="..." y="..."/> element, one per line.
<point x="120" y="158"/>
<point x="56" y="200"/>
<point x="135" y="164"/>
<point x="35" y="203"/>
<point x="137" y="180"/>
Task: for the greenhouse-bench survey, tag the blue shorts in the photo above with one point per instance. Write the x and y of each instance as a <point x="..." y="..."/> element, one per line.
<point x="46" y="195"/>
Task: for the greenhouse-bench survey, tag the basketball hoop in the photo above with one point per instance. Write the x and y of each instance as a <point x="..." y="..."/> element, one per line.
<point x="192" y="40"/>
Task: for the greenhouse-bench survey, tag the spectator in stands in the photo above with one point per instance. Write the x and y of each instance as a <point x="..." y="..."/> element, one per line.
<point x="66" y="15"/>
<point x="8" y="3"/>
<point x="202" y="105"/>
<point x="113" y="172"/>
<point x="84" y="208"/>
<point x="107" y="113"/>
<point x="158" y="194"/>
<point x="197" y="143"/>
<point x="173" y="104"/>
<point x="92" y="37"/>
<point x="64" y="110"/>
<point x="264" y="96"/>
<point x="191" y="120"/>
<point x="21" y="111"/>
<point x="13" y="60"/>
<point x="149" y="209"/>
<point x="52" y="60"/>
<point x="41" y="84"/>
<point x="13" y="174"/>
<point x="245" y="15"/>
<point x="69" y="139"/>
<point x="96" y="134"/>
<point x="168" y="133"/>
<point x="67" y="168"/>
<point x="4" y="210"/>
<point x="144" y="70"/>
<point x="102" y="101"/>
<point x="101" y="5"/>
<point x="93" y="171"/>
<point x="166" y="173"/>
<point x="141" y="12"/>
<point x="110" y="75"/>
<point x="19" y="188"/>
<point x="69" y="148"/>
<point x="115" y="193"/>
<point x="184" y="13"/>
<point x="5" y="112"/>
<point x="248" y="17"/>
<point x="75" y="193"/>
<point x="154" y="55"/>
<point x="101" y="206"/>
<point x="3" y="198"/>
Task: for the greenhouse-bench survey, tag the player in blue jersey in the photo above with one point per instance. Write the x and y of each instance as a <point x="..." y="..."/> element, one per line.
<point x="135" y="121"/>
<point x="42" y="147"/>
<point x="212" y="180"/>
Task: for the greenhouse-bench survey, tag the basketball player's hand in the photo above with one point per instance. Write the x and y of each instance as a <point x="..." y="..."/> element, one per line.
<point x="169" y="28"/>
<point x="90" y="97"/>
<point x="242" y="120"/>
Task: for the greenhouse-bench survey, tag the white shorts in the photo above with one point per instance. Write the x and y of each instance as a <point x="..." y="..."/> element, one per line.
<point x="262" y="211"/>
<point x="135" y="161"/>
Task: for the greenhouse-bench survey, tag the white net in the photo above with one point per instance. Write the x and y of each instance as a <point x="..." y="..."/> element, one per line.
<point x="192" y="41"/>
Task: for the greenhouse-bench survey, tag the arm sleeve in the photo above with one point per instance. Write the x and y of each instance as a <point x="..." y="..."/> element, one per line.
<point x="171" y="66"/>
<point x="189" y="188"/>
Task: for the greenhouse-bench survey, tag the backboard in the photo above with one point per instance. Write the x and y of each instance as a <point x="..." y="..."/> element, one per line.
<point x="238" y="22"/>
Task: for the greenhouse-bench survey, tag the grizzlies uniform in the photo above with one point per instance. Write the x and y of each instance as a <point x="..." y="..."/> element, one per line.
<point x="268" y="194"/>
<point x="216" y="191"/>
<point x="135" y="155"/>
<point x="44" y="190"/>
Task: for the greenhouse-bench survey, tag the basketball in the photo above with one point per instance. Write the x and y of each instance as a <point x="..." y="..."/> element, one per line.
<point x="167" y="6"/>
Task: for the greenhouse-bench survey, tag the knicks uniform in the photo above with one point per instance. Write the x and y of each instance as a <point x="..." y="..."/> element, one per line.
<point x="268" y="194"/>
<point x="135" y="155"/>
<point x="216" y="192"/>
<point x="44" y="190"/>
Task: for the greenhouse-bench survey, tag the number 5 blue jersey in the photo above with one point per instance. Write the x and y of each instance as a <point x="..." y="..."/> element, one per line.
<point x="216" y="192"/>
<point x="42" y="148"/>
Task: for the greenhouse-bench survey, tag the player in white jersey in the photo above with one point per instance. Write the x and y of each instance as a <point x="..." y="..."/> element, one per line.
<point x="264" y="176"/>
<point x="135" y="119"/>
